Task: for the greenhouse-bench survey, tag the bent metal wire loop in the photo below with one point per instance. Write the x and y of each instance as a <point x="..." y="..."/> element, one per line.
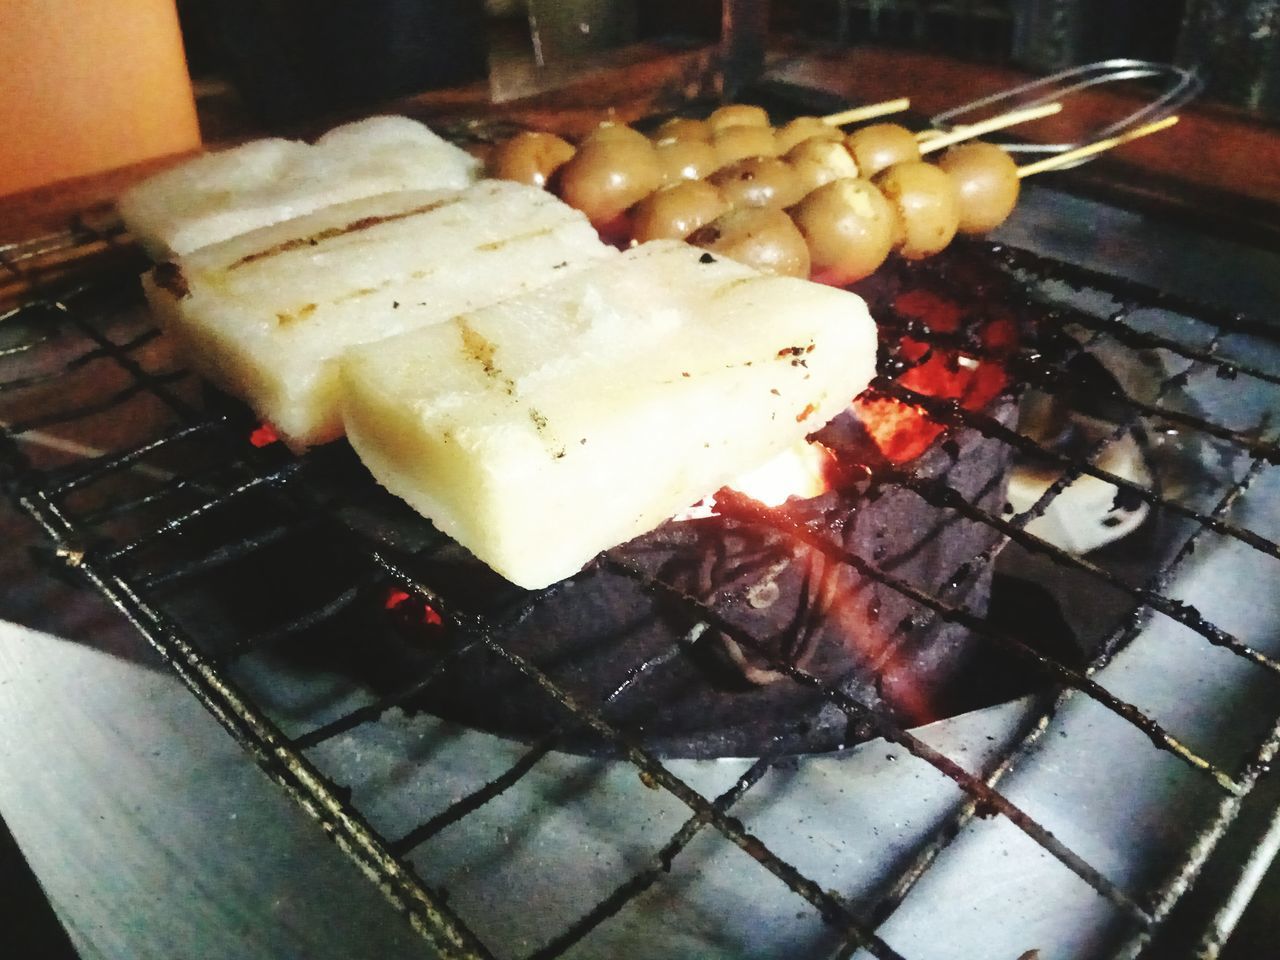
<point x="109" y="540"/>
<point x="1175" y="87"/>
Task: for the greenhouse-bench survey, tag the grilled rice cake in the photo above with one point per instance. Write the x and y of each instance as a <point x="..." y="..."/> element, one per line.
<point x="568" y="420"/>
<point x="224" y="194"/>
<point x="265" y="315"/>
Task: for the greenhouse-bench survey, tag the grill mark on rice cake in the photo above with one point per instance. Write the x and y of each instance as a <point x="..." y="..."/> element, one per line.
<point x="329" y="233"/>
<point x="482" y="350"/>
<point x="479" y="348"/>
<point x="369" y="291"/>
<point x="726" y="288"/>
<point x="499" y="244"/>
<point x="285" y="317"/>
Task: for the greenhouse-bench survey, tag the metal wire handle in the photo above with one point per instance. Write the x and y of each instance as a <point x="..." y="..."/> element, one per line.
<point x="1180" y="87"/>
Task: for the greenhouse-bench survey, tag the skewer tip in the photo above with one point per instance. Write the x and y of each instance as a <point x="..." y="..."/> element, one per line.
<point x="868" y="112"/>
<point x="1099" y="146"/>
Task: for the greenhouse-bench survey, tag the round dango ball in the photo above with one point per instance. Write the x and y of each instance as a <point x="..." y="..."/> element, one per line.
<point x="530" y="157"/>
<point x="927" y="206"/>
<point x="612" y="132"/>
<point x="738" y="143"/>
<point x="804" y="128"/>
<point x="685" y="159"/>
<point x="606" y="176"/>
<point x="987" y="184"/>
<point x="848" y="227"/>
<point x="675" y="211"/>
<point x="683" y="128"/>
<point x="757" y="182"/>
<point x="738" y="115"/>
<point x="761" y="237"/>
<point x="816" y="162"/>
<point x="881" y="145"/>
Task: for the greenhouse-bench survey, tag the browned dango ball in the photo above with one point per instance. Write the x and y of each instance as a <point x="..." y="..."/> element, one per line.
<point x="927" y="206"/>
<point x="848" y="226"/>
<point x="761" y="237"/>
<point x="530" y="157"/>
<point x="804" y="128"/>
<point x="880" y="145"/>
<point x="685" y="159"/>
<point x="675" y="211"/>
<point x="738" y="143"/>
<point x="757" y="182"/>
<point x="816" y="162"/>
<point x="738" y="115"/>
<point x="683" y="128"/>
<point x="606" y="176"/>
<point x="987" y="184"/>
<point x="611" y="131"/>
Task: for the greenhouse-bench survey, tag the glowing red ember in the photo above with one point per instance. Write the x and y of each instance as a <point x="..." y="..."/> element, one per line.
<point x="900" y="430"/>
<point x="904" y="431"/>
<point x="411" y="609"/>
<point x="264" y="435"/>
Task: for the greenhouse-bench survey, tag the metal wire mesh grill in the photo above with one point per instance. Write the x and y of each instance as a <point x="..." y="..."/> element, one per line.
<point x="166" y="505"/>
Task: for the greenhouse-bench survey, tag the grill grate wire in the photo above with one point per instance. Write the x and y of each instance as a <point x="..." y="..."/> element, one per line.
<point x="121" y="570"/>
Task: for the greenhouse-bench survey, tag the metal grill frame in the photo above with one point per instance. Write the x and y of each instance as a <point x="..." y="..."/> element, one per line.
<point x="385" y="860"/>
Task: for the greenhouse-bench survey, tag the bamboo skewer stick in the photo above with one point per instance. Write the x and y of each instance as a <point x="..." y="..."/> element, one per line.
<point x="1079" y="153"/>
<point x="931" y="143"/>
<point x="941" y="138"/>
<point x="868" y="112"/>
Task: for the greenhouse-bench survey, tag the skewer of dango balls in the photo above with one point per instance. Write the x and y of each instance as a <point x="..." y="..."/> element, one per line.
<point x="686" y="149"/>
<point x="829" y="206"/>
<point x="836" y="227"/>
<point x="615" y="166"/>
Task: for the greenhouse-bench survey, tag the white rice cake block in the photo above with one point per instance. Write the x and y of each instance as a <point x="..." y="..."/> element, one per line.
<point x="265" y="315"/>
<point x="545" y="429"/>
<point x="224" y="194"/>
